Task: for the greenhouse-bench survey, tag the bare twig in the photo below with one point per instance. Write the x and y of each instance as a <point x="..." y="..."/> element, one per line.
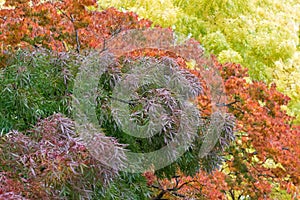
<point x="77" y="41"/>
<point x="172" y="190"/>
<point x="71" y="18"/>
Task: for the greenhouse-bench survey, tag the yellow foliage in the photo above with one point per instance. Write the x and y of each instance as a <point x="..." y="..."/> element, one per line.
<point x="230" y="56"/>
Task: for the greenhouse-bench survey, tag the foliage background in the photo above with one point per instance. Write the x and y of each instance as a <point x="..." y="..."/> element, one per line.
<point x="36" y="85"/>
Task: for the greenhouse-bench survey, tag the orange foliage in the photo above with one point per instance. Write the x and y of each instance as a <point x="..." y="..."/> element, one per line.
<point x="264" y="132"/>
<point x="60" y="25"/>
<point x="261" y="124"/>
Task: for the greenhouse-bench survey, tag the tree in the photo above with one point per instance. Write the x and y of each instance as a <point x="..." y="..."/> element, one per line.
<point x="252" y="168"/>
<point x="60" y="25"/>
<point x="48" y="159"/>
<point x="264" y="156"/>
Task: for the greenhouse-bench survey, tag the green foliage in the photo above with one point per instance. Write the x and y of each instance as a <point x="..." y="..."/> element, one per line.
<point x="126" y="186"/>
<point x="39" y="84"/>
<point x="34" y="86"/>
<point x="47" y="160"/>
<point x="280" y="194"/>
<point x="146" y="99"/>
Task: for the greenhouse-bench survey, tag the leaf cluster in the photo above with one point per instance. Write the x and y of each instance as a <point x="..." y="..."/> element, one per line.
<point x="36" y="85"/>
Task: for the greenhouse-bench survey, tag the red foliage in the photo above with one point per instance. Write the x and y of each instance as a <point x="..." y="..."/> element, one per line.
<point x="264" y="132"/>
<point x="200" y="186"/>
<point x="38" y="167"/>
<point x="261" y="124"/>
<point x="10" y="188"/>
<point x="61" y="25"/>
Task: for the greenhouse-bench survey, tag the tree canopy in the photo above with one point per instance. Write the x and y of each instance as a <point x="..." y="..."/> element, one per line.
<point x="237" y="144"/>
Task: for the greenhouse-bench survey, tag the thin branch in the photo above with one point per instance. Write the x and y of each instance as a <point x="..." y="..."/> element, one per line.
<point x="178" y="195"/>
<point x="104" y="46"/>
<point x="185" y="184"/>
<point x="76" y="30"/>
<point x="65" y="14"/>
<point x="156" y="187"/>
<point x="160" y="195"/>
<point x="129" y="102"/>
<point x="231" y="194"/>
<point x="177" y="181"/>
<point x="77" y="41"/>
<point x="228" y="104"/>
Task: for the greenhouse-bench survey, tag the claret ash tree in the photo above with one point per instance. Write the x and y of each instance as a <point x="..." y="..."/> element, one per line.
<point x="45" y="45"/>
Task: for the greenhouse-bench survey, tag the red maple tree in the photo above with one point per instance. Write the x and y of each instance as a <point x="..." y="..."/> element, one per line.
<point x="264" y="133"/>
<point x="60" y="25"/>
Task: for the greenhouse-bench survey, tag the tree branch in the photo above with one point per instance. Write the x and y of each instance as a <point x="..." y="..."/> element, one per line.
<point x="77" y="41"/>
